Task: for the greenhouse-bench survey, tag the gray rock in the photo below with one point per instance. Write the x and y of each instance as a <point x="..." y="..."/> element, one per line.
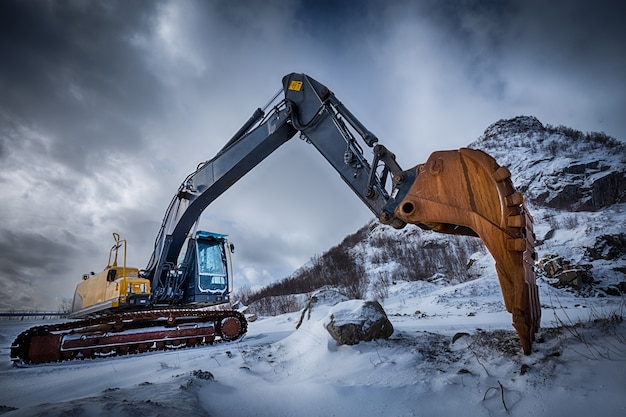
<point x="354" y="321"/>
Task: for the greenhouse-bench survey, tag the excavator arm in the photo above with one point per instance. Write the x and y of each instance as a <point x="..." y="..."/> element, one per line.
<point x="308" y="108"/>
<point x="458" y="192"/>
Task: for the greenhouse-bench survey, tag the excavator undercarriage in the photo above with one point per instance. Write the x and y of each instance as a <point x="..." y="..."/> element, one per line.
<point x="127" y="333"/>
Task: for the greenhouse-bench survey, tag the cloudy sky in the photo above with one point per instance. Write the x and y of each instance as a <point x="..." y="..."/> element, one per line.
<point x="105" y="107"/>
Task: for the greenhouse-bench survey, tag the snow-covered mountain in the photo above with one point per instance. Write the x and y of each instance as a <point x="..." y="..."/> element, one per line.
<point x="558" y="167"/>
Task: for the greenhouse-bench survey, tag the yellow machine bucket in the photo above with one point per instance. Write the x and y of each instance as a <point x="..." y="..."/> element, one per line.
<point x="466" y="192"/>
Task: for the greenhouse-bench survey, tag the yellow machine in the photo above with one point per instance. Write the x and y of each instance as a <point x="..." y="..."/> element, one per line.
<point x="114" y="288"/>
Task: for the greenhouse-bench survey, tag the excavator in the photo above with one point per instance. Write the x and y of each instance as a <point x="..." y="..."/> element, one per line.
<point x="173" y="302"/>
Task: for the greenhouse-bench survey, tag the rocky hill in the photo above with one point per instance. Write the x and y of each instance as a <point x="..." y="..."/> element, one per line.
<point x="575" y="186"/>
<point x="559" y="167"/>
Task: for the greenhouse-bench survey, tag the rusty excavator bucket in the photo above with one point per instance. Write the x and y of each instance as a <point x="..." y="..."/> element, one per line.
<point x="465" y="192"/>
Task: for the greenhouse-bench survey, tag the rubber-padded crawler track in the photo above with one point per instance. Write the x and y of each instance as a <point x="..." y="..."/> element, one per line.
<point x="126" y="333"/>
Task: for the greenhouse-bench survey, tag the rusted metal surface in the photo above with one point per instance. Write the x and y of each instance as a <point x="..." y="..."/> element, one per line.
<point x="230" y="328"/>
<point x="466" y="192"/>
<point x="125" y="333"/>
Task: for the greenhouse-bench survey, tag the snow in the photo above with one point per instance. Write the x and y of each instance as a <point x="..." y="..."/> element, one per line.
<point x="277" y="370"/>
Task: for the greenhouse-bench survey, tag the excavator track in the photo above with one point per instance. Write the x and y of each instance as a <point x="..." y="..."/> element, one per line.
<point x="126" y="333"/>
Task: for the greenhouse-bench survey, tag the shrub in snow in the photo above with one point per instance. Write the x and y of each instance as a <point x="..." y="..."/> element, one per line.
<point x="351" y="322"/>
<point x="325" y="297"/>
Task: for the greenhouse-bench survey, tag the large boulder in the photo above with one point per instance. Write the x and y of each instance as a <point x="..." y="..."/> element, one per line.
<point x="566" y="273"/>
<point x="353" y="321"/>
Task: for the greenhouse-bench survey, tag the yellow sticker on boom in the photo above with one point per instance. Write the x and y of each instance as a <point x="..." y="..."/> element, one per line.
<point x="295" y="85"/>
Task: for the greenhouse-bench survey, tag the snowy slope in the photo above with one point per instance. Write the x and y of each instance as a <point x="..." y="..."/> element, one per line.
<point x="277" y="370"/>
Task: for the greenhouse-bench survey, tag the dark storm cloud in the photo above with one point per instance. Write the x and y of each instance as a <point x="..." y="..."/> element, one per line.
<point x="473" y="29"/>
<point x="70" y="68"/>
<point x="32" y="263"/>
<point x="584" y="44"/>
<point x="34" y="253"/>
<point x="572" y="54"/>
<point x="76" y="94"/>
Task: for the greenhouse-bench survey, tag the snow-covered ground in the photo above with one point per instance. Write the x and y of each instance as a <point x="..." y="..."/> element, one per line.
<point x="277" y="370"/>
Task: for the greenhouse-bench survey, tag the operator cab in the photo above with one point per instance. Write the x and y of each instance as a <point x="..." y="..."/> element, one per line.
<point x="207" y="266"/>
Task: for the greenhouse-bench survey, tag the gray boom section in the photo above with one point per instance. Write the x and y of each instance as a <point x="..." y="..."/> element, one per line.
<point x="326" y="130"/>
<point x="210" y="181"/>
<point x="309" y="108"/>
